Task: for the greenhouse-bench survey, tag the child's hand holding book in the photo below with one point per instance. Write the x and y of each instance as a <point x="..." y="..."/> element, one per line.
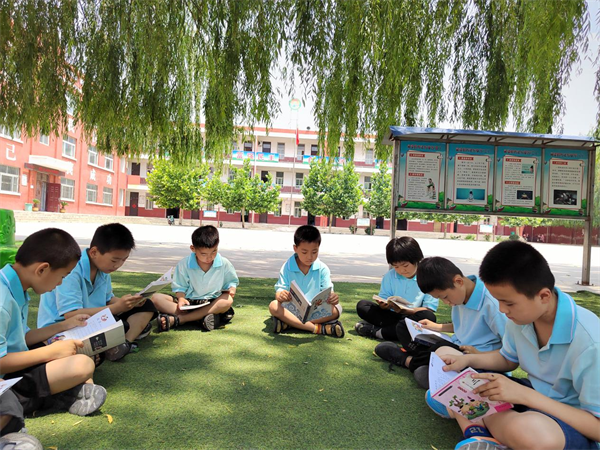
<point x="62" y="349"/>
<point x="333" y="298"/>
<point x="283" y="296"/>
<point x="78" y="320"/>
<point x="430" y="325"/>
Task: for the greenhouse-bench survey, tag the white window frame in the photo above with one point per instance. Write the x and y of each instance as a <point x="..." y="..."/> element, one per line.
<point x="369" y="157"/>
<point x="92" y="155"/>
<point x="367" y="183"/>
<point x="264" y="145"/>
<point x="277" y="212"/>
<point x="109" y="159"/>
<point x="44" y="139"/>
<point x="281" y="149"/>
<point x="107" y="192"/>
<point x="300" y="151"/>
<point x="69" y="142"/>
<point x="297" y="209"/>
<point x="91" y="193"/>
<point x="6" y="173"/>
<point x="149" y="204"/>
<point x="65" y="188"/>
<point x="298" y="179"/>
<point x="13" y="136"/>
<point x="279" y="179"/>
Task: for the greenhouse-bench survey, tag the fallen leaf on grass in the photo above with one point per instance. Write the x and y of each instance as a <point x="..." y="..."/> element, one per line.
<point x="78" y="422"/>
<point x="109" y="417"/>
<point x="52" y="422"/>
<point x="346" y="364"/>
<point x="433" y="447"/>
<point x="243" y="383"/>
<point x="321" y="390"/>
<point x="52" y="448"/>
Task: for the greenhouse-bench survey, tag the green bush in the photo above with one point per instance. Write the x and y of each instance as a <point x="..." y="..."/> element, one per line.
<point x="352" y="229"/>
<point x="469" y="237"/>
<point x="488" y="237"/>
<point x="456" y="238"/>
<point x="370" y="230"/>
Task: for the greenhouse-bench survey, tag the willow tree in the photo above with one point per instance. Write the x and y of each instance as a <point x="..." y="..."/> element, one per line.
<point x="143" y="75"/>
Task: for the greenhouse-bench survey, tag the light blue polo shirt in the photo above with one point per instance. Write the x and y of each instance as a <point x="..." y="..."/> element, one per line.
<point x="199" y="285"/>
<point x="317" y="278"/>
<point x="567" y="368"/>
<point x="394" y="284"/>
<point x="479" y="322"/>
<point x="14" y="309"/>
<point x="76" y="292"/>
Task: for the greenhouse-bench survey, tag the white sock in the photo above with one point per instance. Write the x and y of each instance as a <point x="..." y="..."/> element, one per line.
<point x="378" y="334"/>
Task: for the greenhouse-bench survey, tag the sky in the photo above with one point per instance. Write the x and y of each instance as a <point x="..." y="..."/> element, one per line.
<point x="581" y="107"/>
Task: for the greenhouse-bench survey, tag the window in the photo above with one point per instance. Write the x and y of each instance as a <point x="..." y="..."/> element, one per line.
<point x="44" y="139"/>
<point x="281" y="149"/>
<point x="108" y="162"/>
<point x="91" y="193"/>
<point x="314" y="150"/>
<point x="266" y="147"/>
<point x="365" y="214"/>
<point x="15" y="135"/>
<point x="67" y="189"/>
<point x="297" y="209"/>
<point x="247" y="146"/>
<point x="367" y="183"/>
<point x="299" y="179"/>
<point x="135" y="168"/>
<point x="107" y="196"/>
<point x="264" y="175"/>
<point x="92" y="155"/>
<point x="149" y="203"/>
<point x="121" y="197"/>
<point x="69" y="146"/>
<point x="230" y="211"/>
<point x="123" y="165"/>
<point x="277" y="212"/>
<point x="300" y="152"/>
<point x="279" y="178"/>
<point x="9" y="179"/>
<point x="369" y="157"/>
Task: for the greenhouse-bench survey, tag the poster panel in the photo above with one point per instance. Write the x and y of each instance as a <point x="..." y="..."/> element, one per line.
<point x="518" y="180"/>
<point x="470" y="177"/>
<point x="565" y="187"/>
<point x="421" y="181"/>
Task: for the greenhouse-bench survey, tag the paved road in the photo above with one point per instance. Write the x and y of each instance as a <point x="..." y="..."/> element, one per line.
<point x="356" y="258"/>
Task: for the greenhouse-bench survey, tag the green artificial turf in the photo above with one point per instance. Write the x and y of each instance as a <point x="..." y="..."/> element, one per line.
<point x="244" y="387"/>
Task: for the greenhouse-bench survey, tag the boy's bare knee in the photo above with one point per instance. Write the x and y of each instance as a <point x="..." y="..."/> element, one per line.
<point x="273" y="307"/>
<point x="83" y="366"/>
<point x="532" y="430"/>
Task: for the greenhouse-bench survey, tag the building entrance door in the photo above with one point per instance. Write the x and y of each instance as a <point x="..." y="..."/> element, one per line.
<point x="52" y="196"/>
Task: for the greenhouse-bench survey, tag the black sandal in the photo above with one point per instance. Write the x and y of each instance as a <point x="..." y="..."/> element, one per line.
<point x="334" y="329"/>
<point x="167" y="325"/>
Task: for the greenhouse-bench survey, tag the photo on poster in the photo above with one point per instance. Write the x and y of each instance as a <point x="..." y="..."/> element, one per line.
<point x="470" y="195"/>
<point x="527" y="169"/>
<point x="518" y="179"/>
<point x="565" y="197"/>
<point x="524" y="195"/>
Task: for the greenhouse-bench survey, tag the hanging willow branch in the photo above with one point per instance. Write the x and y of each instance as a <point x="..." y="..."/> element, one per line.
<point x="144" y="74"/>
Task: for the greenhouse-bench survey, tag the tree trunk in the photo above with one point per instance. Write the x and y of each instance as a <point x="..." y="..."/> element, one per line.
<point x="445" y="229"/>
<point x="218" y="212"/>
<point x="200" y="215"/>
<point x="181" y="215"/>
<point x="243" y="214"/>
<point x="330" y="221"/>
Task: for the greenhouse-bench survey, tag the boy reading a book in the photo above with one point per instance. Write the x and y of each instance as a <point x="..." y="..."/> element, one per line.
<point x="312" y="276"/>
<point x="202" y="278"/>
<point x="52" y="375"/>
<point x="88" y="290"/>
<point x="382" y="321"/>
<point x="477" y="322"/>
<point x="554" y="340"/>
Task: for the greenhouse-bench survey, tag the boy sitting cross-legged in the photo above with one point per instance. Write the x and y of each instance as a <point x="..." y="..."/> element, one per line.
<point x="53" y="375"/>
<point x="555" y="341"/>
<point x="204" y="276"/>
<point x="312" y="276"/>
<point x="88" y="290"/>
<point x="477" y="322"/>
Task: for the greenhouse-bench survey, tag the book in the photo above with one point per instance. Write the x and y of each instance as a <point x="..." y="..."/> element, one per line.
<point x="425" y="336"/>
<point x="5" y="385"/>
<point x="102" y="332"/>
<point x="305" y="309"/>
<point x="157" y="285"/>
<point x="195" y="305"/>
<point x="395" y="301"/>
<point x="455" y="391"/>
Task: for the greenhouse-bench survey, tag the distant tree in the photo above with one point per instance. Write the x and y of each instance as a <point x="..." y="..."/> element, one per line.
<point x="214" y="191"/>
<point x="237" y="194"/>
<point x="264" y="195"/>
<point x="345" y="195"/>
<point x="316" y="186"/>
<point x="379" y="198"/>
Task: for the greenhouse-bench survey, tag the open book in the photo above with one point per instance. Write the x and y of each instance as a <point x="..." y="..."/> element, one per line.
<point x="395" y="301"/>
<point x="101" y="333"/>
<point x="308" y="309"/>
<point x="5" y="385"/>
<point x="157" y="285"/>
<point x="424" y="336"/>
<point x="455" y="391"/>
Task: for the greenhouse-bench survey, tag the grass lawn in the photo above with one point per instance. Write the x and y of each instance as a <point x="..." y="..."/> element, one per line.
<point x="243" y="386"/>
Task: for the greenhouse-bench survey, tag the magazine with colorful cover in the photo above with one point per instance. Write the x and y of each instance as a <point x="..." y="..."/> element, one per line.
<point x="455" y="391"/>
<point x="306" y="310"/>
<point x="394" y="301"/>
<point x="425" y="336"/>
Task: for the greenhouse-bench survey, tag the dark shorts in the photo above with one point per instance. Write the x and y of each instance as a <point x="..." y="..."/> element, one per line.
<point x="33" y="391"/>
<point x="10" y="406"/>
<point x="148" y="306"/>
<point x="573" y="438"/>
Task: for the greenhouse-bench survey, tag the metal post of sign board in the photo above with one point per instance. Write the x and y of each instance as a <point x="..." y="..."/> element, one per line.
<point x="395" y="182"/>
<point x="587" y="226"/>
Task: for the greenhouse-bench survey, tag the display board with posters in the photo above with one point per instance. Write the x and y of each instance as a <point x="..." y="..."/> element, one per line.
<point x="518" y="180"/>
<point x="422" y="165"/>
<point x="565" y="176"/>
<point x="470" y="181"/>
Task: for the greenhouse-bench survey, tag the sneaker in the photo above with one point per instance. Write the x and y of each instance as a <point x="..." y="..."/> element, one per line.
<point x="227" y="316"/>
<point x="83" y="399"/>
<point x="389" y="351"/>
<point x="479" y="443"/>
<point x="119" y="352"/>
<point x="19" y="441"/>
<point x="145" y="332"/>
<point x="421" y="375"/>
<point x="210" y="322"/>
<point x="365" y="329"/>
<point x="436" y="406"/>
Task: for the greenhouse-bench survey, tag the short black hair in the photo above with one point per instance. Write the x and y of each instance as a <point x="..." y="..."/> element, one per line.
<point x="403" y="249"/>
<point x="51" y="245"/>
<point x="517" y="264"/>
<point x="307" y="233"/>
<point x="205" y="237"/>
<point x="112" y="236"/>
<point x="436" y="273"/>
